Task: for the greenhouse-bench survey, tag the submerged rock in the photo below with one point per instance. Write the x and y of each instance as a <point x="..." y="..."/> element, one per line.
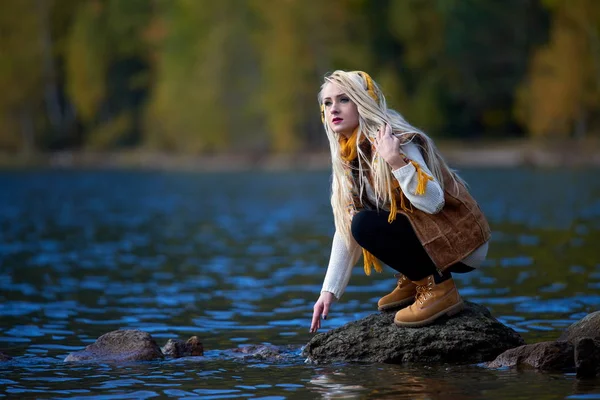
<point x="122" y="345"/>
<point x="545" y="356"/>
<point x="470" y="337"/>
<point x="177" y="348"/>
<point x="264" y="352"/>
<point x="4" y="357"/>
<point x="577" y="348"/>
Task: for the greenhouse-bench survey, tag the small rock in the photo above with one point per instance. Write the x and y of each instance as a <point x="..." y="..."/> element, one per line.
<point x="589" y="326"/>
<point x="587" y="357"/>
<point x="259" y="352"/>
<point x="121" y="345"/>
<point x="178" y="348"/>
<point x="4" y="357"/>
<point x="470" y="337"/>
<point x="544" y="356"/>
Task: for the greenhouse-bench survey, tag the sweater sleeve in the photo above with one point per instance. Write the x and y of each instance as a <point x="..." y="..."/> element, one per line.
<point x="432" y="201"/>
<point x="341" y="261"/>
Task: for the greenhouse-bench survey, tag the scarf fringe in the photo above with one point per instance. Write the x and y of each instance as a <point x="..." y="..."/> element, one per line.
<point x="422" y="179"/>
<point x="370" y="259"/>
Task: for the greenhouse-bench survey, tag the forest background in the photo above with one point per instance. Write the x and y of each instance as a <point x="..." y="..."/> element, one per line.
<point x="200" y="78"/>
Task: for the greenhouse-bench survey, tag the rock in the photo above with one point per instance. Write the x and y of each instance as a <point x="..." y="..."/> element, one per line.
<point x="587" y="357"/>
<point x="262" y="352"/>
<point x="470" y="337"/>
<point x="4" y="357"/>
<point x="178" y="348"/>
<point x="544" y="356"/>
<point x="122" y="345"/>
<point x="589" y="326"/>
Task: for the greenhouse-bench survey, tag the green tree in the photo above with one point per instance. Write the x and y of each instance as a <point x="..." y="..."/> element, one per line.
<point x="21" y="75"/>
<point x="188" y="109"/>
<point x="562" y="91"/>
<point x="105" y="69"/>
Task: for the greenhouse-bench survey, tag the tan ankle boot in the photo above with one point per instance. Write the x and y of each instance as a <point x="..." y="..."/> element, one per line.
<point x="401" y="296"/>
<point x="432" y="301"/>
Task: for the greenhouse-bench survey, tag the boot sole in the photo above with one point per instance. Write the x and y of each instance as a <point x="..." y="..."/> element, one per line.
<point x="397" y="304"/>
<point x="450" y="311"/>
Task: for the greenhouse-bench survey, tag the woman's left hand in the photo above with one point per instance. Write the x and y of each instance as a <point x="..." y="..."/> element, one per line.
<point x="388" y="147"/>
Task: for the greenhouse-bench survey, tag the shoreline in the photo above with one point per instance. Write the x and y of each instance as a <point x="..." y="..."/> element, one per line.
<point x="506" y="154"/>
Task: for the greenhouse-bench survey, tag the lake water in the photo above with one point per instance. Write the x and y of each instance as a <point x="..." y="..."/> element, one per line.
<point x="238" y="259"/>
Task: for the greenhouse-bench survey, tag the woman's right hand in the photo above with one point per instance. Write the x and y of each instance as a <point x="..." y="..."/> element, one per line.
<point x="321" y="308"/>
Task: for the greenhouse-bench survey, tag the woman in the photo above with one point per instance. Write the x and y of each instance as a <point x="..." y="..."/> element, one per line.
<point x="394" y="198"/>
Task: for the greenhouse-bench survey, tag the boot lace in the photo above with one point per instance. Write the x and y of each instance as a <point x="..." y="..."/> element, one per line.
<point x="424" y="292"/>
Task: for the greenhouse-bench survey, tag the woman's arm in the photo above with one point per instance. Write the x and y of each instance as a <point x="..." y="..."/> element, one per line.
<point x="399" y="157"/>
<point x="432" y="201"/>
<point x="341" y="261"/>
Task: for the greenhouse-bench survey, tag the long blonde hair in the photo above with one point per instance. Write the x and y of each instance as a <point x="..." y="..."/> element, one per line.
<point x="372" y="114"/>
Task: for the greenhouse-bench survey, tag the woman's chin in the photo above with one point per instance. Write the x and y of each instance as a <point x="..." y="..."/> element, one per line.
<point x="342" y="131"/>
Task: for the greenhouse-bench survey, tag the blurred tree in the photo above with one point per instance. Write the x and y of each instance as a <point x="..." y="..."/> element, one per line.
<point x="297" y="43"/>
<point x="561" y="94"/>
<point x="199" y="76"/>
<point x="189" y="109"/>
<point x="418" y="27"/>
<point x="105" y="69"/>
<point x="487" y="45"/>
<point x="21" y="75"/>
<point x="458" y="62"/>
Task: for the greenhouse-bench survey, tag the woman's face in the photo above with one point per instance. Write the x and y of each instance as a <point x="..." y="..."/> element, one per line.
<point x="341" y="113"/>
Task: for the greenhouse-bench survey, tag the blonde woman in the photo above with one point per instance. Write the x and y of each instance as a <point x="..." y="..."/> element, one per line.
<point x="394" y="200"/>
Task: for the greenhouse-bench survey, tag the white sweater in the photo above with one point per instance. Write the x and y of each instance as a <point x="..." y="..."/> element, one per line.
<point x="343" y="258"/>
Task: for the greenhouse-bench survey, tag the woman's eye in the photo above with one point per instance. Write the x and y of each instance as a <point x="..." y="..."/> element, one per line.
<point x="327" y="103"/>
<point x="344" y="100"/>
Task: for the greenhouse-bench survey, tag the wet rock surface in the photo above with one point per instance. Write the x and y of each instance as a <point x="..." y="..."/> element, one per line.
<point x="578" y="348"/>
<point x="587" y="357"/>
<point x="263" y="352"/>
<point x="545" y="356"/>
<point x="177" y="348"/>
<point x="588" y="326"/>
<point x="122" y="345"/>
<point x="472" y="336"/>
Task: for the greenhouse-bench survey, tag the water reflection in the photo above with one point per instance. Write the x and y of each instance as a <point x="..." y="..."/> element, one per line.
<point x="238" y="259"/>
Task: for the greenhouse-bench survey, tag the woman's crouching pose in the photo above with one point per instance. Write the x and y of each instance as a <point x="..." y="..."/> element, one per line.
<point x="394" y="199"/>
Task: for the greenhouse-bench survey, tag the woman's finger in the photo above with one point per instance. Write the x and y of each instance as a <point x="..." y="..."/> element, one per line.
<point x="380" y="132"/>
<point x="317" y="311"/>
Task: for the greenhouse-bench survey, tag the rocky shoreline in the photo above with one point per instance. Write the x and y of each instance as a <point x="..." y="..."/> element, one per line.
<point x="472" y="337"/>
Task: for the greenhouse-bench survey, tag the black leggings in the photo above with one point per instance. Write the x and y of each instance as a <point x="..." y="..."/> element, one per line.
<point x="397" y="245"/>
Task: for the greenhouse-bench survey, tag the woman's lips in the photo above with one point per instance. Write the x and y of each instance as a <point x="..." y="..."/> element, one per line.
<point x="337" y="120"/>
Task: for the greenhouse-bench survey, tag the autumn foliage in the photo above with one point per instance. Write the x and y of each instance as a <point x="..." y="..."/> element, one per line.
<point x="202" y="76"/>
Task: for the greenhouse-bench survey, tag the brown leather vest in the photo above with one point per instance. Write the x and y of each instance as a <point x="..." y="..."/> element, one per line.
<point x="449" y="235"/>
<point x="453" y="233"/>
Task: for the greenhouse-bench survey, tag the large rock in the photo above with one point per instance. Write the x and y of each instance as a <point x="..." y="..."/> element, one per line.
<point x="545" y="356"/>
<point x="587" y="357"/>
<point x="578" y="348"/>
<point x="178" y="348"/>
<point x="123" y="345"/>
<point x="470" y="337"/>
<point x="588" y="327"/>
